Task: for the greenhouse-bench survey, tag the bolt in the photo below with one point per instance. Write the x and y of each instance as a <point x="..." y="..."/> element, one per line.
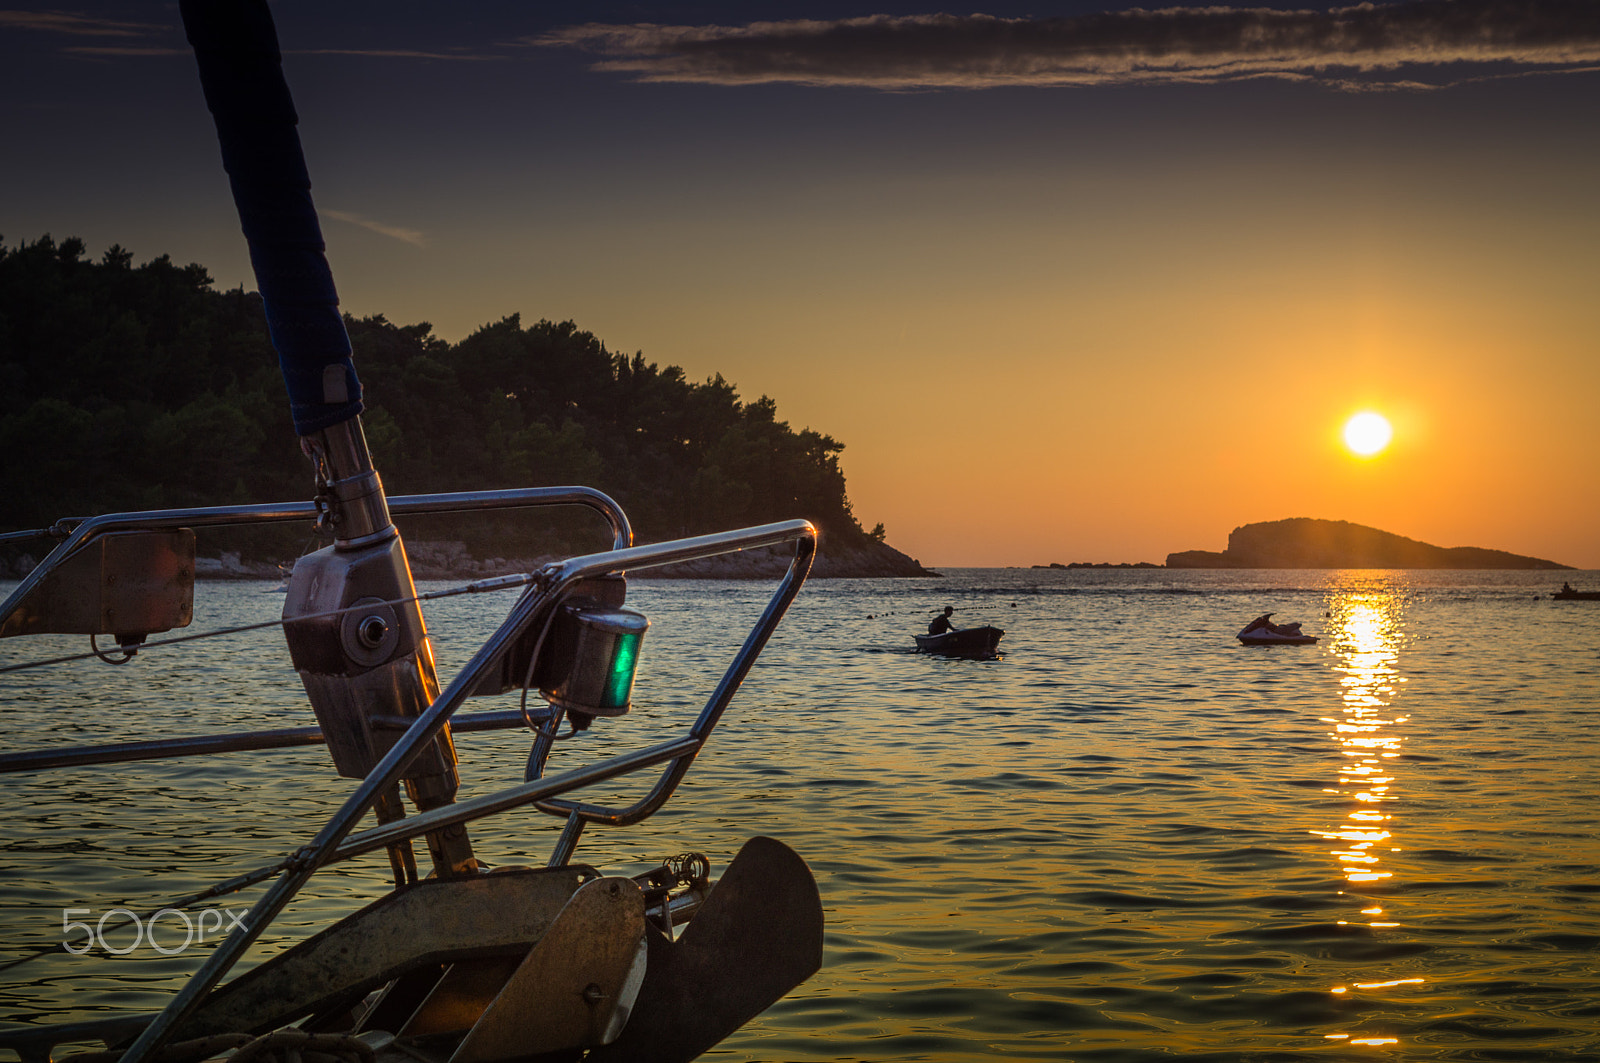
<point x="372" y="629"/>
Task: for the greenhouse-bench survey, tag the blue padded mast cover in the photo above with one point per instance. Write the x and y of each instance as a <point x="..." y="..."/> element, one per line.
<point x="241" y="71"/>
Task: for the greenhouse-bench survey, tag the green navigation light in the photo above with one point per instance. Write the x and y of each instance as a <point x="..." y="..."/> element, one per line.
<point x="624" y="662"/>
<point x="595" y="653"/>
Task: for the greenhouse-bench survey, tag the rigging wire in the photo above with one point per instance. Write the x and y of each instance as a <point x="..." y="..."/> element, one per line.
<point x="59" y="530"/>
<point x="18" y="536"/>
<point x="497" y="583"/>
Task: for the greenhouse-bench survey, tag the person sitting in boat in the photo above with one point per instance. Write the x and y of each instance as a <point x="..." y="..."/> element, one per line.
<point x="941" y="623"/>
<point x="1566" y="588"/>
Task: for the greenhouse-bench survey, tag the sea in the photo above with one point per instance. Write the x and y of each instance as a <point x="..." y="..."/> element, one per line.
<point x="1127" y="839"/>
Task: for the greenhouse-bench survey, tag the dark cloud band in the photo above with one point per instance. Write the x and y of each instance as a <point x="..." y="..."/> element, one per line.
<point x="1366" y="46"/>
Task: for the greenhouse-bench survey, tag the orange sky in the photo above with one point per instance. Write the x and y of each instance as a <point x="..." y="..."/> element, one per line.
<point x="1067" y="367"/>
<point x="1089" y="316"/>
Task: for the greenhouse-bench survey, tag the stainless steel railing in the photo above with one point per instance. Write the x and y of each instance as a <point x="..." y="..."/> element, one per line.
<point x="336" y="840"/>
<point x="76" y="532"/>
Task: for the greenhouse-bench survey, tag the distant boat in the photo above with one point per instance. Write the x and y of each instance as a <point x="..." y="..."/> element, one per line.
<point x="967" y="642"/>
<point x="1263" y="632"/>
<point x="1567" y="594"/>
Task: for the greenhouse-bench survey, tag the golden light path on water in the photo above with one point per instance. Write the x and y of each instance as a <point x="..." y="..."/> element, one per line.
<point x="1365" y="629"/>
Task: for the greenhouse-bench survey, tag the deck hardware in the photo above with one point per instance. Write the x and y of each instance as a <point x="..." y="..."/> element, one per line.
<point x="371" y="631"/>
<point x="595" y="654"/>
<point x="776" y="941"/>
<point x="129" y="584"/>
<point x="597" y="942"/>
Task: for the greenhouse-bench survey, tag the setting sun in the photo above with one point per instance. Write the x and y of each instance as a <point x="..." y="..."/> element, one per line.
<point x="1367" y="433"/>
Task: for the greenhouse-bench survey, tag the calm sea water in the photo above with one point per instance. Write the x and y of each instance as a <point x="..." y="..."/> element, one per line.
<point x="1129" y="839"/>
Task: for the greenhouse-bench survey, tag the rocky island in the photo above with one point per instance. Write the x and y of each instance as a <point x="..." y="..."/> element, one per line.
<point x="1302" y="542"/>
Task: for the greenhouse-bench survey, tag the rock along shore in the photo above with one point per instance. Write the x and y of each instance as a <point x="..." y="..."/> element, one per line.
<point x="435" y="560"/>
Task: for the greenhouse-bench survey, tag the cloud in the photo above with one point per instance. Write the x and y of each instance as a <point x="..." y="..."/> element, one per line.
<point x="1415" y="44"/>
<point x="396" y="53"/>
<point x="75" y="25"/>
<point x="410" y="236"/>
<point x="125" y="50"/>
<point x="59" y="22"/>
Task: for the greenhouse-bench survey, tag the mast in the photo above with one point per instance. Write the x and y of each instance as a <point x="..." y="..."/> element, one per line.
<point x="375" y="660"/>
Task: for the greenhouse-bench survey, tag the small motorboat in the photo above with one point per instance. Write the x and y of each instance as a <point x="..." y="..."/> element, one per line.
<point x="966" y="642"/>
<point x="1263" y="632"/>
<point x="1567" y="594"/>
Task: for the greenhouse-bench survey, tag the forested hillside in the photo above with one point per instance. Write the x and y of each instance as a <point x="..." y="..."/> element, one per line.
<point x="139" y="387"/>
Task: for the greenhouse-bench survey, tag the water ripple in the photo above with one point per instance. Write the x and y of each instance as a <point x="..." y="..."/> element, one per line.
<point x="1129" y="841"/>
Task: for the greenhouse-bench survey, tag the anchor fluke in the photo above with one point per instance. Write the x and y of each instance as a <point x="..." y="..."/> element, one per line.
<point x="758" y="936"/>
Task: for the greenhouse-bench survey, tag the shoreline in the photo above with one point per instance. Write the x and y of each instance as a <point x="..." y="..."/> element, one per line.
<point x="448" y="560"/>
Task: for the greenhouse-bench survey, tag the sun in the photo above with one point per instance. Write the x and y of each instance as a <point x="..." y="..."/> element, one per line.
<point x="1367" y="433"/>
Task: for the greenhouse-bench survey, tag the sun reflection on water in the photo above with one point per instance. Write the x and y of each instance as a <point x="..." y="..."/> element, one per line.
<point x="1365" y="630"/>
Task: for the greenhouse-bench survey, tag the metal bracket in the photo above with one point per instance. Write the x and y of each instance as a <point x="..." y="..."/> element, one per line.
<point x="124" y="584"/>
<point x="580" y="980"/>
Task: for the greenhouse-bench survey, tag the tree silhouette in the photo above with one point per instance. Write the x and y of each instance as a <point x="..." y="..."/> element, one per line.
<point x="128" y="386"/>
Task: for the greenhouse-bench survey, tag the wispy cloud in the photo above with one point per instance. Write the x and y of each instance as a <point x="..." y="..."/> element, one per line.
<point x="398" y="53"/>
<point x="1415" y="44"/>
<point x="125" y="50"/>
<point x="410" y="236"/>
<point x="68" y="24"/>
<point x="76" y="25"/>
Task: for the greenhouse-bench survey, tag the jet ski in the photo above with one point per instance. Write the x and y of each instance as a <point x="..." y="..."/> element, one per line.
<point x="1263" y="632"/>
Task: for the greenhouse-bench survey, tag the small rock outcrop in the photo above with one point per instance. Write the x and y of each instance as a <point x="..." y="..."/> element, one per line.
<point x="834" y="561"/>
<point x="868" y="559"/>
<point x="230" y="566"/>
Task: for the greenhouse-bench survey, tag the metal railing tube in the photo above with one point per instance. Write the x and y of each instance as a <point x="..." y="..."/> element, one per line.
<point x="654" y="555"/>
<point x="278" y="512"/>
<point x="198" y="517"/>
<point x="518" y="498"/>
<point x="799" y="568"/>
<point x="160" y="749"/>
<point x="242" y="741"/>
<point x="374" y="838"/>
